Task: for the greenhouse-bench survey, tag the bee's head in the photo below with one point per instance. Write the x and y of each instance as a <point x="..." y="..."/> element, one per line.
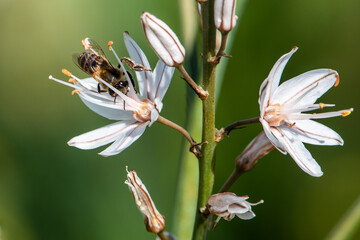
<point x="122" y="84"/>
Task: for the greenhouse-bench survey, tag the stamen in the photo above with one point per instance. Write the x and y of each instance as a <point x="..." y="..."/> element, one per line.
<point x="321" y="105"/>
<point x="127" y="99"/>
<point x="75" y="91"/>
<point x="72" y="80"/>
<point x="62" y="82"/>
<point x="337" y="81"/>
<point x="110" y="43"/>
<point x="66" y="72"/>
<point x="347" y="113"/>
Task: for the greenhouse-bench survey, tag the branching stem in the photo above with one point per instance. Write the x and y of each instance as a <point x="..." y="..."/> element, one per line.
<point x="223" y="132"/>
<point x="194" y="148"/>
<point x="198" y="90"/>
<point x="221" y="52"/>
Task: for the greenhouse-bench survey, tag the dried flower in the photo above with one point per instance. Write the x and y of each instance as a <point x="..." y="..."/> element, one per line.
<point x="227" y="205"/>
<point x="135" y="111"/>
<point x="281" y="114"/>
<point x="154" y="221"/>
<point x="163" y="40"/>
<point x="224" y="15"/>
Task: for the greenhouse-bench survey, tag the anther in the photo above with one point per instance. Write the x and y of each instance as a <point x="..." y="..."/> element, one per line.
<point x="347" y="113"/>
<point x="292" y="125"/>
<point x="321" y="105"/>
<point x="75" y="91"/>
<point x="110" y="43"/>
<point x="66" y="72"/>
<point x="71" y="80"/>
<point x="86" y="44"/>
<point x="337" y="81"/>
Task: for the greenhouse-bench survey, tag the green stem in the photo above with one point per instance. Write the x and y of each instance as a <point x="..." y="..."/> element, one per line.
<point x="206" y="162"/>
<point x="162" y="236"/>
<point x="347" y="226"/>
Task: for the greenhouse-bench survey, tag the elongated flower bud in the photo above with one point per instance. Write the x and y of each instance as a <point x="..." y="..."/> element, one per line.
<point x="163" y="40"/>
<point x="224" y="15"/>
<point x="259" y="147"/>
<point x="154" y="221"/>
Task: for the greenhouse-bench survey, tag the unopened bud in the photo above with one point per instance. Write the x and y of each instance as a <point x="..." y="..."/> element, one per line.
<point x="259" y="147"/>
<point x="154" y="221"/>
<point x="227" y="205"/>
<point x="224" y="15"/>
<point x="163" y="40"/>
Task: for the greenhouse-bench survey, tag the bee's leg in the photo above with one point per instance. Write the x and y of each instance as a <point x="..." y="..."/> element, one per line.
<point x="99" y="89"/>
<point x="134" y="66"/>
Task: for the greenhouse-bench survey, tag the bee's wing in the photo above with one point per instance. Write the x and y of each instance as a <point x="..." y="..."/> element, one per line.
<point x="75" y="58"/>
<point x="92" y="46"/>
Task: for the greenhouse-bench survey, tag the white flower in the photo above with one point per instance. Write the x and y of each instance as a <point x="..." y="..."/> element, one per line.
<point x="163" y="40"/>
<point x="281" y="114"/>
<point x="135" y="111"/>
<point x="154" y="221"/>
<point x="227" y="205"/>
<point x="224" y="15"/>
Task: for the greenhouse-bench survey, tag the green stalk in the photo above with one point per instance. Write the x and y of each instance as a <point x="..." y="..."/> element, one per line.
<point x="348" y="225"/>
<point x="206" y="163"/>
<point x="187" y="185"/>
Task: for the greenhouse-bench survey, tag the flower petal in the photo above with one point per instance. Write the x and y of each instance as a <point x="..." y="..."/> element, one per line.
<point x="247" y="215"/>
<point x="277" y="70"/>
<point x="125" y="139"/>
<point x="273" y="139"/>
<point x="144" y="79"/>
<point x="297" y="151"/>
<point x="312" y="132"/>
<point x="162" y="78"/>
<point x="304" y="89"/>
<point x="108" y="110"/>
<point x="270" y="84"/>
<point x="103" y="135"/>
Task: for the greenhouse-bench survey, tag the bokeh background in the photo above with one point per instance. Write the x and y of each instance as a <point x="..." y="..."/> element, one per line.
<point x="51" y="191"/>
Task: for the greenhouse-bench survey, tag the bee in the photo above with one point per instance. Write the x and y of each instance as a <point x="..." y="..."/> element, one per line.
<point x="94" y="62"/>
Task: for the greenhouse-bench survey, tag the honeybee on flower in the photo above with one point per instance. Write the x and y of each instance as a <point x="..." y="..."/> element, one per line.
<point x="133" y="111"/>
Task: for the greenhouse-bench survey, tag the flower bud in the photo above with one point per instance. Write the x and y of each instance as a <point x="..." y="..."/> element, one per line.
<point x="163" y="40"/>
<point x="257" y="148"/>
<point x="227" y="205"/>
<point x="224" y="15"/>
<point x="154" y="221"/>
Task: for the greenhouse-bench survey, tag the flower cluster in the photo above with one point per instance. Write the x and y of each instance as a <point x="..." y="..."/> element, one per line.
<point x="283" y="112"/>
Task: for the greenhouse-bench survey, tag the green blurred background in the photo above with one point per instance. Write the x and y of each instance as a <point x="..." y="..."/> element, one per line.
<point x="51" y="191"/>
